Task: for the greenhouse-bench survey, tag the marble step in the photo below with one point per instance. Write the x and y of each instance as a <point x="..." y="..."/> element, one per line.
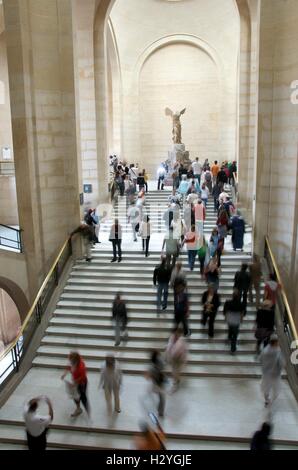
<point x="76" y="331"/>
<point x="141" y="317"/>
<point x="146" y="307"/>
<point x="79" y="438"/>
<point x="226" y="289"/>
<point x="143" y="266"/>
<point x="85" y="275"/>
<point x="132" y="326"/>
<point x="155" y="256"/>
<point x="144" y="356"/>
<point x="209" y="347"/>
<point x="148" y="298"/>
<point x="134" y="368"/>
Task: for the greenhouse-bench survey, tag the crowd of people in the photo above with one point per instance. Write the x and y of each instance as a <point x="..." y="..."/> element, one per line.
<point x="184" y="220"/>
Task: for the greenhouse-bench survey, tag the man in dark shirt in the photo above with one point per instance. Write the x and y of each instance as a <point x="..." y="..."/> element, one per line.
<point x="260" y="440"/>
<point x="242" y="283"/>
<point x="265" y="323"/>
<point x="234" y="313"/>
<point x="222" y="177"/>
<point x="181" y="306"/>
<point x="161" y="276"/>
<point x="141" y="181"/>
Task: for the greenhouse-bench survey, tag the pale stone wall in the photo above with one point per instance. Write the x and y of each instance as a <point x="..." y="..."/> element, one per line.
<point x="276" y="205"/>
<point x="41" y="73"/>
<point x="8" y="195"/>
<point x="5" y="114"/>
<point x="140" y="25"/>
<point x="83" y="19"/>
<point x="248" y="83"/>
<point x="161" y="83"/>
<point x="8" y="201"/>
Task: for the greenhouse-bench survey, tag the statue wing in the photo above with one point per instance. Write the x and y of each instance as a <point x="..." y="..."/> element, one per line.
<point x="183" y="111"/>
<point x="169" y="112"/>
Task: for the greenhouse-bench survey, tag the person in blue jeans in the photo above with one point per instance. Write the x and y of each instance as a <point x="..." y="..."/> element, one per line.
<point x="191" y="240"/>
<point x="161" y="278"/>
<point x="234" y="312"/>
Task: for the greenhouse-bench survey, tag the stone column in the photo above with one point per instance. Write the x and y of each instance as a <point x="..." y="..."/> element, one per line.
<point x="101" y="94"/>
<point x="277" y="170"/>
<point x="41" y="77"/>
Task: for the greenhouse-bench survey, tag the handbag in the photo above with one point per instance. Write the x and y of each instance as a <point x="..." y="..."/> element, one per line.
<point x="262" y="333"/>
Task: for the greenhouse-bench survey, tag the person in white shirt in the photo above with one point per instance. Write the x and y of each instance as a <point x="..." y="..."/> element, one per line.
<point x="133" y="174"/>
<point x="134" y="218"/>
<point x="223" y="197"/>
<point x="176" y="354"/>
<point x="272" y="364"/>
<point x="37" y="425"/>
<point x="110" y="381"/>
<point x="197" y="169"/>
<point x="204" y="194"/>
<point x="161" y="174"/>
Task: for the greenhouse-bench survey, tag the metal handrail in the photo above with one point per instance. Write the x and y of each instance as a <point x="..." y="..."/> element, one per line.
<point x="11" y="228"/>
<point x="282" y="291"/>
<point x="37" y="298"/>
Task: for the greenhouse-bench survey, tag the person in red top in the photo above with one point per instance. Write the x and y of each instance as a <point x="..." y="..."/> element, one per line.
<point x="271" y="289"/>
<point x="79" y="376"/>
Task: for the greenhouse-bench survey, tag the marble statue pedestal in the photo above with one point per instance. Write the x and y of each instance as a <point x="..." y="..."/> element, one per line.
<point x="179" y="154"/>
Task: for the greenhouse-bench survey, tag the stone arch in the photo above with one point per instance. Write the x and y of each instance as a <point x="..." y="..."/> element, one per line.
<point x="247" y="10"/>
<point x="183" y="39"/>
<point x="114" y="93"/>
<point x="17" y="295"/>
<point x="194" y="86"/>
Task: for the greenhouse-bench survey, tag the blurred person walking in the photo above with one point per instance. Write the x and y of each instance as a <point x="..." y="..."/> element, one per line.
<point x="171" y="245"/>
<point x="211" y="303"/>
<point x="234" y="312"/>
<point x="176" y="355"/>
<point x="271" y="289"/>
<point x="215" y="170"/>
<point x="36" y="424"/>
<point x="191" y="241"/>
<point x="255" y="270"/>
<point x="79" y="376"/>
<point x="134" y="218"/>
<point x="202" y="253"/>
<point x="150" y="439"/>
<point x="111" y="380"/>
<point x="212" y="273"/>
<point x="242" y="283"/>
<point x="238" y="230"/>
<point x="157" y="376"/>
<point x="161" y="277"/>
<point x="260" y="440"/>
<point x="197" y="169"/>
<point x="119" y="312"/>
<point x="264" y="324"/>
<point x="116" y="239"/>
<point x="181" y="309"/>
<point x="146" y="178"/>
<point x="178" y="276"/>
<point x="145" y="232"/>
<point x="272" y="364"/>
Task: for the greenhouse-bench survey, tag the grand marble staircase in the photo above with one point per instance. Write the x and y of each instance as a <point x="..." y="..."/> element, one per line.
<point x="219" y="404"/>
